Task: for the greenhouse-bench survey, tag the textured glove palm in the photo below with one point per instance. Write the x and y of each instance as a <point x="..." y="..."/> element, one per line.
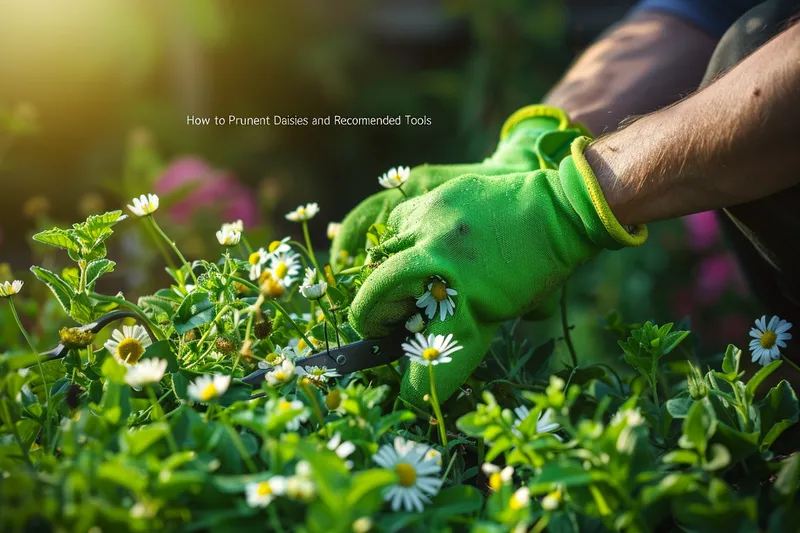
<point x="534" y="137"/>
<point x="504" y="243"/>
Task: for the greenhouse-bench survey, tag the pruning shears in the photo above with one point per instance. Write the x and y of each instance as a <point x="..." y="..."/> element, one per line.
<point x="346" y="359"/>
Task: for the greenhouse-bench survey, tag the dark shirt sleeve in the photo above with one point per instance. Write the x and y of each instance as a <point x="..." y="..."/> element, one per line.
<point x="713" y="16"/>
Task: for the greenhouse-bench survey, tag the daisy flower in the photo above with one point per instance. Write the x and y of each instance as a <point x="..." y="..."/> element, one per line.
<point x="147" y="372"/>
<point x="333" y="229"/>
<point x="552" y="501"/>
<point x="228" y="236"/>
<point x="310" y="277"/>
<point x="342" y="449"/>
<point x="438" y="295"/>
<point x="520" y="499"/>
<point x="544" y="424"/>
<point x="128" y="344"/>
<point x="278" y="356"/>
<point x="768" y="339"/>
<point x="415" y="324"/>
<point x="284" y="268"/>
<point x="417" y="478"/>
<point x="236" y="225"/>
<point x="208" y="388"/>
<point x="301" y="485"/>
<point x="261" y="494"/>
<point x="432" y="350"/>
<point x="395" y="177"/>
<point x="301" y="347"/>
<point x="279" y="247"/>
<point x="144" y="205"/>
<point x="303" y="213"/>
<point x="10" y="288"/>
<point x="314" y="292"/>
<point x="281" y="406"/>
<point x="497" y="477"/>
<point x="432" y="454"/>
<point x="257" y="261"/>
<point x="317" y="374"/>
<point x="282" y="374"/>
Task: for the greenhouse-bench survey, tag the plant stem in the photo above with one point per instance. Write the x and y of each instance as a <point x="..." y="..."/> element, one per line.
<point x="792" y="363"/>
<point x="349" y="271"/>
<point x="216" y="318"/>
<point x="32" y="347"/>
<point x="400" y="188"/>
<point x="437" y="409"/>
<point x="133" y="307"/>
<point x="449" y="467"/>
<point x="309" y="248"/>
<point x="565" y="326"/>
<point x="239" y="445"/>
<point x="14" y="431"/>
<point x="173" y="246"/>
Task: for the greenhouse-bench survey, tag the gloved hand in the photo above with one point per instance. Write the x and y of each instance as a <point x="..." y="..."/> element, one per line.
<point x="503" y="243"/>
<point x="534" y="137"/>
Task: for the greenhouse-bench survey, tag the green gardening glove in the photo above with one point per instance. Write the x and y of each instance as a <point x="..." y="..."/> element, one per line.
<point x="502" y="243"/>
<point x="534" y="137"/>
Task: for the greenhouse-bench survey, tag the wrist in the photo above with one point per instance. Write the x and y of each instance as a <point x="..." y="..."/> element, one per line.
<point x="607" y="169"/>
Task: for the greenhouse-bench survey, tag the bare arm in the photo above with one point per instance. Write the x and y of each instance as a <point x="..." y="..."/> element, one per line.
<point x="732" y="142"/>
<point x="645" y="63"/>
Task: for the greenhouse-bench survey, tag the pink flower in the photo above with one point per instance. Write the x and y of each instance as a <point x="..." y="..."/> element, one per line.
<point x="209" y="188"/>
<point x="703" y="230"/>
<point x="715" y="274"/>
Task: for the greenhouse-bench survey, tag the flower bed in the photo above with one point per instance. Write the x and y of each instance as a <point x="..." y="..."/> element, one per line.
<point x="155" y="424"/>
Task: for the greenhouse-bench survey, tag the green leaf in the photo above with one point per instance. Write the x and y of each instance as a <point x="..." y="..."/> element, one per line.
<point x="672" y="340"/>
<point x="113" y="370"/>
<point x="137" y="441"/>
<point x="159" y="303"/>
<point x="97" y="268"/>
<point x="457" y="500"/>
<point x="759" y="377"/>
<point x="393" y="419"/>
<point x="123" y="475"/>
<point x="730" y="364"/>
<point x="788" y="479"/>
<point x="82" y="309"/>
<point x="367" y="481"/>
<point x="162" y="350"/>
<point x="96" y="225"/>
<point x="60" y="238"/>
<point x="679" y="407"/>
<point x="63" y="292"/>
<point x="684" y="457"/>
<point x="720" y="458"/>
<point x="195" y="310"/>
<point x="779" y="410"/>
<point x="698" y="427"/>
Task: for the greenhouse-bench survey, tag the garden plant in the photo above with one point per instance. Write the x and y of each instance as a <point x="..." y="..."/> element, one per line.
<point x="154" y="422"/>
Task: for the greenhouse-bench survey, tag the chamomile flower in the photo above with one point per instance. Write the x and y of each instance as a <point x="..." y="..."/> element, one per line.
<point x="228" y="236"/>
<point x="295" y="409"/>
<point x="544" y="424"/>
<point x="317" y="374"/>
<point x="417" y="478"/>
<point x="415" y="324"/>
<point x="284" y="268"/>
<point x="310" y="277"/>
<point x="261" y="494"/>
<point x="279" y="247"/>
<point x="552" y="500"/>
<point x="301" y="347"/>
<point x="257" y="261"/>
<point x="278" y="356"/>
<point x="301" y="485"/>
<point x="284" y="373"/>
<point x="520" y="499"/>
<point x="768" y="339"/>
<point x="303" y="213"/>
<point x="497" y="477"/>
<point x="343" y="449"/>
<point x="432" y="454"/>
<point x="438" y="295"/>
<point x="333" y="229"/>
<point x="395" y="177"/>
<point x="10" y="288"/>
<point x="314" y="292"/>
<point x="128" y="343"/>
<point x="236" y="225"/>
<point x="432" y="350"/>
<point x="147" y="372"/>
<point x="208" y="388"/>
<point x="144" y="205"/>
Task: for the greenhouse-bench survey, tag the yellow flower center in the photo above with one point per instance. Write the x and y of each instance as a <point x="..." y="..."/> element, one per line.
<point x="272" y="288"/>
<point x="431" y="354"/>
<point x="301" y="345"/>
<point x="768" y="339"/>
<point x="406" y="474"/>
<point x="271" y="357"/>
<point x="254" y="259"/>
<point x="130" y="350"/>
<point x="281" y="270"/>
<point x="439" y="291"/>
<point x="264" y="489"/>
<point x="209" y="393"/>
<point x="496" y="481"/>
<point x="273" y="246"/>
<point x="280" y="375"/>
<point x="284" y="405"/>
<point x="516" y="504"/>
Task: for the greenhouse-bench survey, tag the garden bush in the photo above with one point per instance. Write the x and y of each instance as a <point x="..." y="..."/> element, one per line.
<point x="149" y="424"/>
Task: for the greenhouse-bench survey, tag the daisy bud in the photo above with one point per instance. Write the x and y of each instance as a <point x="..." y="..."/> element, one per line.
<point x="75" y="337"/>
<point x="362" y="525"/>
<point x="333" y="400"/>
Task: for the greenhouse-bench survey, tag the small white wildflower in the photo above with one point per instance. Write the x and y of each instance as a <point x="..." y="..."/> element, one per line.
<point x="395" y="177"/>
<point x="128" y="343"/>
<point x="497" y="477"/>
<point x="520" y="499"/>
<point x="144" y="205"/>
<point x="417" y="478"/>
<point x="768" y="339"/>
<point x="208" y="388"/>
<point x="333" y="229"/>
<point x="317" y="374"/>
<point x="147" y="372"/>
<point x="438" y="295"/>
<point x="261" y="494"/>
<point x="432" y="350"/>
<point x="343" y="449"/>
<point x="228" y="236"/>
<point x="303" y="213"/>
<point x="10" y="288"/>
<point x="314" y="292"/>
<point x="415" y="324"/>
<point x="282" y="374"/>
<point x="257" y="261"/>
<point x="281" y="406"/>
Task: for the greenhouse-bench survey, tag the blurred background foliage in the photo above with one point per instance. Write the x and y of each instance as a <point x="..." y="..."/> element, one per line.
<point x="95" y="95"/>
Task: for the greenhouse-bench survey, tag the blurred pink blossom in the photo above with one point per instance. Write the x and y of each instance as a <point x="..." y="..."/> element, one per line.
<point x="703" y="230"/>
<point x="714" y="275"/>
<point x="212" y="188"/>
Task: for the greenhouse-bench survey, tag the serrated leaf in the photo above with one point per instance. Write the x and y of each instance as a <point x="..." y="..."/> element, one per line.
<point x="195" y="310"/>
<point x="60" y="238"/>
<point x="672" y="340"/>
<point x="97" y="268"/>
<point x="62" y="290"/>
<point x="97" y="227"/>
<point x="81" y="309"/>
<point x="160" y="303"/>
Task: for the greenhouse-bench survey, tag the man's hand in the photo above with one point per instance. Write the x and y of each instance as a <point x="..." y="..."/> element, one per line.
<point x="534" y="137"/>
<point x="503" y="243"/>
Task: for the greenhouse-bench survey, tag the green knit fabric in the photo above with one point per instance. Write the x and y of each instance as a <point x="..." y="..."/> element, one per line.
<point x="540" y="139"/>
<point x="506" y="243"/>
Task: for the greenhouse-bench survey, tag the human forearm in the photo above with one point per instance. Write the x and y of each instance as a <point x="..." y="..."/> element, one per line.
<point x="733" y="142"/>
<point x="645" y="63"/>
